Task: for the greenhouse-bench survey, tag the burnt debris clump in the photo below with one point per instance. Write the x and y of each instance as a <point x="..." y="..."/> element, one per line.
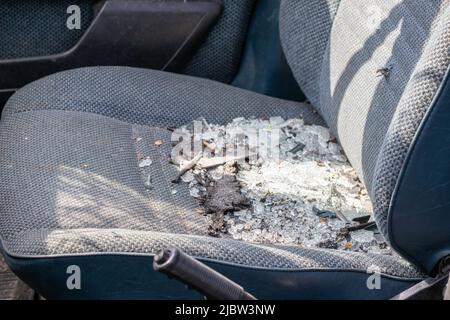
<point x="222" y="196"/>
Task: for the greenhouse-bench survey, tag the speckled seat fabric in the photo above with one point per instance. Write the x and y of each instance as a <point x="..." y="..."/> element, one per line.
<point x="217" y="58"/>
<point x="72" y="192"/>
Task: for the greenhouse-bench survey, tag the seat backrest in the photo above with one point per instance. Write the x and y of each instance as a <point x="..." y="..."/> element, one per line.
<point x="377" y="72"/>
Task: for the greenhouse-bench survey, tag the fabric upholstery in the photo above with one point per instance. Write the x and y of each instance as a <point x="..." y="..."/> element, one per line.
<point x="33" y="28"/>
<point x="142" y="96"/>
<point x="305" y="27"/>
<point x="219" y="56"/>
<point x="38" y="27"/>
<point x="70" y="133"/>
<point x="415" y="102"/>
<point x="374" y="116"/>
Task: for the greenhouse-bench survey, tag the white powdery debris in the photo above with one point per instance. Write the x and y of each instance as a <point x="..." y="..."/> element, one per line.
<point x="310" y="175"/>
<point x="326" y="185"/>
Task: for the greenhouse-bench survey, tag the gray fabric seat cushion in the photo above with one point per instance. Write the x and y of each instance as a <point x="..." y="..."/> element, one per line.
<point x="71" y="184"/>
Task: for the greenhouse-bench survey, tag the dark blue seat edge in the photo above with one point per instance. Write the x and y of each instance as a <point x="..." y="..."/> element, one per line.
<point x="419" y="214"/>
<point x="110" y="276"/>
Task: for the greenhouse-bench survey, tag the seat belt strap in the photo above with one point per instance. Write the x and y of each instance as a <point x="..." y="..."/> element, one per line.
<point x="436" y="288"/>
<point x="447" y="290"/>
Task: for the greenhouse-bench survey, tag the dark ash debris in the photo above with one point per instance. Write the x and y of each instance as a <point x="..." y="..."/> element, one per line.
<point x="220" y="197"/>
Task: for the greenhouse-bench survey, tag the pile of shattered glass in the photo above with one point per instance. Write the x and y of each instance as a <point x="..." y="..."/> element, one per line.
<point x="276" y="181"/>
